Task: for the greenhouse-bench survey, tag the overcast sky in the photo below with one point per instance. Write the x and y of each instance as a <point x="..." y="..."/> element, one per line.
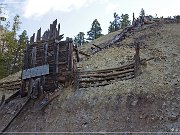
<point x="77" y="15"/>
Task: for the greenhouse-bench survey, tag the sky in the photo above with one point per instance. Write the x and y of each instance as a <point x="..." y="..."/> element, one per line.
<point x="77" y="15"/>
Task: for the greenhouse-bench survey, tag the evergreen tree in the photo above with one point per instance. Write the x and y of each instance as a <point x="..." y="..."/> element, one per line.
<point x="11" y="48"/>
<point x="125" y="20"/>
<point x="18" y="55"/>
<point x="16" y="25"/>
<point x="115" y="25"/>
<point x="142" y="13"/>
<point x="111" y="27"/>
<point x="117" y="22"/>
<point x="95" y="31"/>
<point x="79" y="39"/>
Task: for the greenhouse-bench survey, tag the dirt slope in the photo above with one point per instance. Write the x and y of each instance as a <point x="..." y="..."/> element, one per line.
<point x="148" y="103"/>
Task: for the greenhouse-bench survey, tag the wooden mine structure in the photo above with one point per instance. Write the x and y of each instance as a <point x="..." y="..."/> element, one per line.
<point x="48" y="62"/>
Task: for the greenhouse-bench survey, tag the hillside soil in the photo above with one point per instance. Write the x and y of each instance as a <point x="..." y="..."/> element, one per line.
<point x="147" y="103"/>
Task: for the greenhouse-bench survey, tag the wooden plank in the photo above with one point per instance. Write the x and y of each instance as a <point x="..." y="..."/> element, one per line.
<point x="50" y="31"/>
<point x="54" y="29"/>
<point x="97" y="46"/>
<point x="38" y="38"/>
<point x="83" y="53"/>
<point x="58" y="32"/>
<point x="106" y="75"/>
<point x="2" y="100"/>
<point x="57" y="57"/>
<point x="46" y="100"/>
<point x="32" y="39"/>
<point x="12" y="96"/>
<point x="137" y="66"/>
<point x="108" y="70"/>
<point x="106" y="78"/>
<point x="19" y="80"/>
<point x="70" y="57"/>
<point x="6" y="127"/>
<point x="45" y="53"/>
<point x="87" y="85"/>
<point x="130" y="65"/>
<point x="77" y="53"/>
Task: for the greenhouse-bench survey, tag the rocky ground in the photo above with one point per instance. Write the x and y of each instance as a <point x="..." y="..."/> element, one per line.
<point x="148" y="103"/>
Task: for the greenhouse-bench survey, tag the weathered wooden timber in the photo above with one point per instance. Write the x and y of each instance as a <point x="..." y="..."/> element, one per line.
<point x="13" y="85"/>
<point x="96" y="78"/>
<point x="45" y="60"/>
<point x="48" y="63"/>
<point x="81" y="52"/>
<point x="118" y="38"/>
<point x="16" y="115"/>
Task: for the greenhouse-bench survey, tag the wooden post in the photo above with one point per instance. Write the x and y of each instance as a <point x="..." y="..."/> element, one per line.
<point x="77" y="53"/>
<point x="32" y="39"/>
<point x="133" y="17"/>
<point x="97" y="47"/>
<point x="25" y="66"/>
<point x="57" y="57"/>
<point x="137" y="66"/>
<point x="45" y="53"/>
<point x="38" y="38"/>
<point x="58" y="32"/>
<point x="50" y="31"/>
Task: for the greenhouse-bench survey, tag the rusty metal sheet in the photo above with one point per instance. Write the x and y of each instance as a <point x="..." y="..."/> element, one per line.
<point x="35" y="72"/>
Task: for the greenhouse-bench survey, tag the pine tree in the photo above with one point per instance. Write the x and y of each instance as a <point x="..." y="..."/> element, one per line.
<point x="95" y="31"/>
<point x="125" y="20"/>
<point x="79" y="39"/>
<point x="117" y="21"/>
<point x="111" y="27"/>
<point x="16" y="25"/>
<point x="115" y="25"/>
<point x="17" y="61"/>
<point x="142" y="13"/>
<point x="11" y="47"/>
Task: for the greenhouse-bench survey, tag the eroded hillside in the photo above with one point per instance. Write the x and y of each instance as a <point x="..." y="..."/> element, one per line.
<point x="148" y="103"/>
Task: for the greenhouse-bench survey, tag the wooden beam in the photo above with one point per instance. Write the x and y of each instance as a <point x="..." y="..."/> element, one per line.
<point x="105" y="75"/>
<point x="97" y="46"/>
<point x="25" y="103"/>
<point x="106" y="78"/>
<point x="137" y="67"/>
<point x="58" y="32"/>
<point x="77" y="53"/>
<point x="128" y="66"/>
<point x="38" y="38"/>
<point x="83" y="53"/>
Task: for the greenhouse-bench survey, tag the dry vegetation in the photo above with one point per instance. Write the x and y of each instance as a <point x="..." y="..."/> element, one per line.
<point x="148" y="103"/>
<point x="160" y="74"/>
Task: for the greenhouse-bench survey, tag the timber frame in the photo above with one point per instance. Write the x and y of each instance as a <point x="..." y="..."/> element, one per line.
<point x="48" y="62"/>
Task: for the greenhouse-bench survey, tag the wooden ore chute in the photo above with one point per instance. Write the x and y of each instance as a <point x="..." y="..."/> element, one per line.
<point x="48" y="63"/>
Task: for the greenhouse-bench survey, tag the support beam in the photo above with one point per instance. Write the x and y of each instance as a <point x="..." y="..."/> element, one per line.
<point x="137" y="66"/>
